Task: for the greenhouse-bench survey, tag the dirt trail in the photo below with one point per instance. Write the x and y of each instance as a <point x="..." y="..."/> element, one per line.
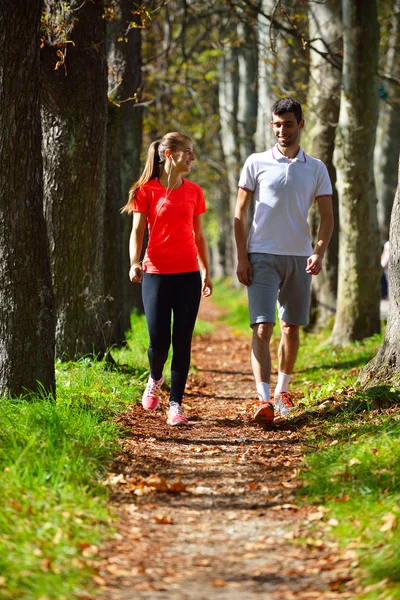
<point x="208" y="512"/>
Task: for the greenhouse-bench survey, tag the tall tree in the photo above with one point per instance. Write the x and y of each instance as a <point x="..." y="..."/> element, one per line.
<point x="387" y="145"/>
<point x="385" y="367"/>
<point x="26" y="303"/>
<point x="124" y="142"/>
<point x="266" y="94"/>
<point x="359" y="270"/>
<point x="74" y="114"/>
<point x="238" y="99"/>
<point x="322" y="114"/>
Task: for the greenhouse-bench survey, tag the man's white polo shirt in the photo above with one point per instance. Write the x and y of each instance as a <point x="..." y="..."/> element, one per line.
<point x="284" y="190"/>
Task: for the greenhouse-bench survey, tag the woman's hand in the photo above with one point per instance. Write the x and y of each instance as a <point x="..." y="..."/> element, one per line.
<point x="136" y="273"/>
<point x="207" y="286"/>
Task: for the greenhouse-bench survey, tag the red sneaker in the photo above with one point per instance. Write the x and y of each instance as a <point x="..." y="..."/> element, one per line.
<point x="264" y="412"/>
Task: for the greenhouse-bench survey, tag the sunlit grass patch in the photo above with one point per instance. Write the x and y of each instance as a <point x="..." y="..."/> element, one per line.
<point x="322" y="369"/>
<point x="355" y="473"/>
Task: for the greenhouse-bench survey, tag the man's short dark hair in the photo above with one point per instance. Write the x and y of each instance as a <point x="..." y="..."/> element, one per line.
<point x="286" y="105"/>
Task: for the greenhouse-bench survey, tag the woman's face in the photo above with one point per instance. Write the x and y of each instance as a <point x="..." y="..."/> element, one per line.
<point x="182" y="159"/>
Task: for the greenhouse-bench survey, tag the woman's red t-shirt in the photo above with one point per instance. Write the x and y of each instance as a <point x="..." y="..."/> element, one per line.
<point x="171" y="247"/>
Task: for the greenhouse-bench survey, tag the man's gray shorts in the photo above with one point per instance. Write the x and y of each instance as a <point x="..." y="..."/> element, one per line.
<point x="281" y="278"/>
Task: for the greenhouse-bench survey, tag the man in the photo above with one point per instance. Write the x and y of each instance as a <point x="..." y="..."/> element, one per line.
<point x="276" y="259"/>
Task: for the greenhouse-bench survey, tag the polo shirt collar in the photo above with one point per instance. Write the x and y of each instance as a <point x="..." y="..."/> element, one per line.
<point x="277" y="155"/>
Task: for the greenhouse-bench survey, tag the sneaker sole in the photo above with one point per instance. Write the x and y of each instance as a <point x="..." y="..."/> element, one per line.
<point x="264" y="414"/>
<point x="177" y="424"/>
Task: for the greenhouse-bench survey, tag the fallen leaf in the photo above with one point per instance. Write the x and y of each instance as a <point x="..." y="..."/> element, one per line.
<point x="175" y="487"/>
<point x="157" y="482"/>
<point x="163" y="519"/>
<point x="286" y="507"/>
<point x="389" y="522"/>
<point x="315" y="516"/>
<point x="218" y="583"/>
<point x="375" y="586"/>
<point x="354" y="461"/>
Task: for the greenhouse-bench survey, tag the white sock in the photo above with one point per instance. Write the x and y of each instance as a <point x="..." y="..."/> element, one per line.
<point x="263" y="390"/>
<point x="283" y="383"/>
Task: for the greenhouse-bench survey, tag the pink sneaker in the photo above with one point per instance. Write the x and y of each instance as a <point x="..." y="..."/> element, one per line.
<point x="150" y="398"/>
<point x="175" y="415"/>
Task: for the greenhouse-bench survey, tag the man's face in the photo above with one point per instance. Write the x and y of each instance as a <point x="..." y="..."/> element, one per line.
<point x="286" y="129"/>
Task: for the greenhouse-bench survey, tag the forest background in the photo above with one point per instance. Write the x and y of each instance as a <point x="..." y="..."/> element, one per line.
<point x="86" y="85"/>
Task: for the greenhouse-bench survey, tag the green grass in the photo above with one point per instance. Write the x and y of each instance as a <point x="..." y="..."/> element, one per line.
<point x="355" y="473"/>
<point x="53" y="458"/>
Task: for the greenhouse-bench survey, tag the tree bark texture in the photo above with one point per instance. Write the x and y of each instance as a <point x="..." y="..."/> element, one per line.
<point x="26" y="302"/>
<point x="264" y="137"/>
<point x="283" y="62"/>
<point x="248" y="89"/>
<point x="124" y="142"/>
<point x="325" y="29"/>
<point x="387" y="146"/>
<point x="357" y="314"/>
<point x="385" y="367"/>
<point x="74" y="115"/>
<point x="238" y="111"/>
<point x="228" y="108"/>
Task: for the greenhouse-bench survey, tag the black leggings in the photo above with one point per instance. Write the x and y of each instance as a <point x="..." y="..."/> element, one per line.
<point x="177" y="293"/>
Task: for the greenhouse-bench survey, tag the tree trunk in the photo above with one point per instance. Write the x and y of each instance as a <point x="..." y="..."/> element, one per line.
<point x="359" y="266"/>
<point x="264" y="137"/>
<point x="387" y="145"/>
<point x="325" y="29"/>
<point x="124" y="142"/>
<point x="74" y="115"/>
<point x="26" y="302"/>
<point x="385" y="367"/>
<point x="238" y="111"/>
<point x="228" y="107"/>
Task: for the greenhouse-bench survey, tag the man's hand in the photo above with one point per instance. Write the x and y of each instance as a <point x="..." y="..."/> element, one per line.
<point x="314" y="264"/>
<point x="244" y="272"/>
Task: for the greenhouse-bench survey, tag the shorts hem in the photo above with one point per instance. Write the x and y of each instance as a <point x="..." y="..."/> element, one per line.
<point x="259" y="320"/>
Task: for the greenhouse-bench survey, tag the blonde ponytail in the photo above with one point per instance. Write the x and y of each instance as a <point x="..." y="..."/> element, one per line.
<point x="155" y="163"/>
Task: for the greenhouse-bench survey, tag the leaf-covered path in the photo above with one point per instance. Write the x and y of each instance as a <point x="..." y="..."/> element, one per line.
<point x="208" y="511"/>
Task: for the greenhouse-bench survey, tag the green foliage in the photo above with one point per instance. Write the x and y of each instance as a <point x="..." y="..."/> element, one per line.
<point x="355" y="474"/>
<point x="325" y="370"/>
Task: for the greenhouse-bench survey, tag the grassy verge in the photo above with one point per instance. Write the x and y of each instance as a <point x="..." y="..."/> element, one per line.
<point x="351" y="460"/>
<point x="53" y="458"/>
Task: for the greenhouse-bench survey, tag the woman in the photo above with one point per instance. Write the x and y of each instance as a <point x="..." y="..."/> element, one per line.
<point x="172" y="207"/>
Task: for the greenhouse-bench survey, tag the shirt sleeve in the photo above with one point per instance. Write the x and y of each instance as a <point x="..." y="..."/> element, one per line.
<point x="324" y="186"/>
<point x="201" y="203"/>
<point x="247" y="178"/>
<point x="141" y="201"/>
